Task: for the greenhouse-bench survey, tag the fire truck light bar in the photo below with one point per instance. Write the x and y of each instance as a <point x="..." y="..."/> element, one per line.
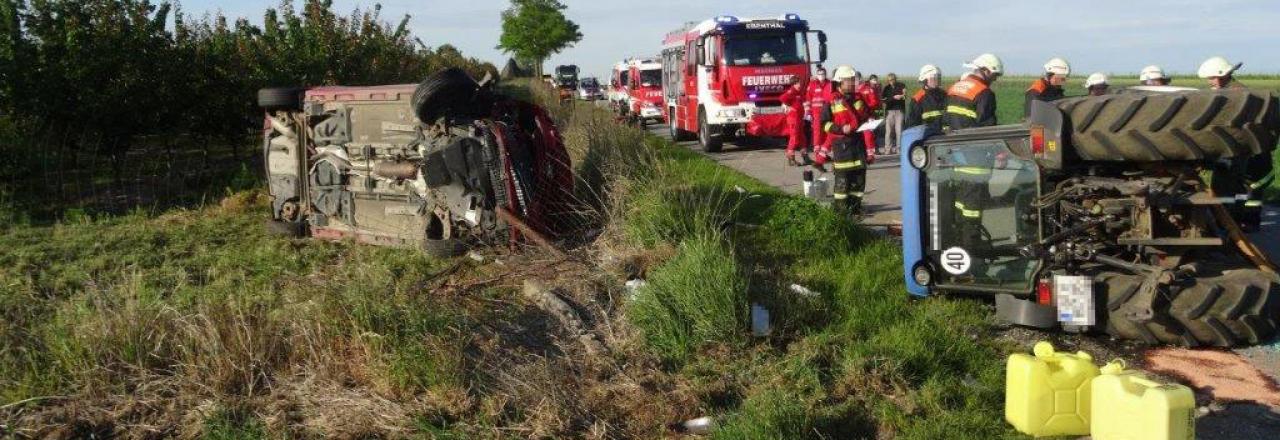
<point x="726" y="19"/>
<point x="791" y="17"/>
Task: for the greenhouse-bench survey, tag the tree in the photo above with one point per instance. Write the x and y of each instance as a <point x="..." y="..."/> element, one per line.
<point x="535" y="29"/>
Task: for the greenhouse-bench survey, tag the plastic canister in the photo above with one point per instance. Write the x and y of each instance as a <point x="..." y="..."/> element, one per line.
<point x="1129" y="406"/>
<point x="1048" y="394"/>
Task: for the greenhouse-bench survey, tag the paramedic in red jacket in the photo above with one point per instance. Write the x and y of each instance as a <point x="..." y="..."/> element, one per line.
<point x="870" y="100"/>
<point x="816" y="97"/>
<point x="793" y="102"/>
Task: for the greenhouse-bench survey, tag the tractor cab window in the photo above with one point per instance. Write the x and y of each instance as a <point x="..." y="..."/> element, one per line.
<point x="764" y="49"/>
<point x="981" y="201"/>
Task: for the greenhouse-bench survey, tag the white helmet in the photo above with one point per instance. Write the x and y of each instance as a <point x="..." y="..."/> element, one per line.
<point x="1217" y="66"/>
<point x="1151" y="72"/>
<point x="1058" y="66"/>
<point x="1096" y="79"/>
<point x="930" y="71"/>
<point x="987" y="61"/>
<point x="843" y="72"/>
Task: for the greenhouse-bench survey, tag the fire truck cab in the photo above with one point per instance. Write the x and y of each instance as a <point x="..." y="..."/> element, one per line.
<point x="724" y="76"/>
<point x="618" y="80"/>
<point x="644" y="91"/>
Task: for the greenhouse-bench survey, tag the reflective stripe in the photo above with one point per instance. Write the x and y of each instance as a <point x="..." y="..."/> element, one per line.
<point x="962" y="111"/>
<point x="931" y="115"/>
<point x="840" y="196"/>
<point x="858" y="105"/>
<point x="977" y="171"/>
<point x="858" y="194"/>
<point x="828" y="126"/>
<point x="1253" y="203"/>
<point x="971" y="213"/>
<point x="1255" y="185"/>
<point x="848" y="164"/>
<point x="837" y="108"/>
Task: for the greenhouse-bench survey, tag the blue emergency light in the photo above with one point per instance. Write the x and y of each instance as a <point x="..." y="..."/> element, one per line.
<point x="726" y="19"/>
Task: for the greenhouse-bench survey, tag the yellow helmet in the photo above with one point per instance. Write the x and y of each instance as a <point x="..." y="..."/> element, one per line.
<point x="1058" y="66"/>
<point x="930" y="71"/>
<point x="987" y="61"/>
<point x="843" y="72"/>
<point x="1217" y="66"/>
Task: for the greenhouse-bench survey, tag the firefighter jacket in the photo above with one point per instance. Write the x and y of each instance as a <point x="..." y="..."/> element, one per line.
<point x="870" y="100"/>
<point x="816" y="96"/>
<point x="1040" y="90"/>
<point x="970" y="103"/>
<point x="927" y="108"/>
<point x="794" y="100"/>
<point x="847" y="150"/>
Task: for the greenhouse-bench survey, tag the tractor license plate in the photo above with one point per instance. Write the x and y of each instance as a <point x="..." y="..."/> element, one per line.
<point x="1074" y="295"/>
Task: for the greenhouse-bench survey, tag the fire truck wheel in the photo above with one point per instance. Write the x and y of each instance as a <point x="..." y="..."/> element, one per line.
<point x="711" y="143"/>
<point x="676" y="133"/>
<point x="1194" y="125"/>
<point x="1238" y="307"/>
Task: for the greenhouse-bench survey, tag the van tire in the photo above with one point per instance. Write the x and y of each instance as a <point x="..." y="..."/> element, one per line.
<point x="1181" y="126"/>
<point x="280" y="98"/>
<point x="447" y="92"/>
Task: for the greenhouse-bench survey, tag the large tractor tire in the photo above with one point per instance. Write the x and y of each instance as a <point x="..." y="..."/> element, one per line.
<point x="1238" y="307"/>
<point x="447" y="92"/>
<point x="1194" y="125"/>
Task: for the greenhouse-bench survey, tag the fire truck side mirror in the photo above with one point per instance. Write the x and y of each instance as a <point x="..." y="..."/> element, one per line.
<point x="702" y="52"/>
<point x="822" y="47"/>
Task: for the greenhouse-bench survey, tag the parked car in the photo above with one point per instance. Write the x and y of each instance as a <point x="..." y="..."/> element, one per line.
<point x="589" y="89"/>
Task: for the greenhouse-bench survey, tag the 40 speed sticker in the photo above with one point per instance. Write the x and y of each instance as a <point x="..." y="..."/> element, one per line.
<point x="955" y="261"/>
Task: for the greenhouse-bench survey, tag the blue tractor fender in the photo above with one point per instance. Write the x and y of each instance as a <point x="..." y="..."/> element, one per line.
<point x="912" y="226"/>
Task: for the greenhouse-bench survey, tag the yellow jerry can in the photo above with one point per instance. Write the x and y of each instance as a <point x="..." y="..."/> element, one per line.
<point x="1048" y="394"/>
<point x="1128" y="406"/>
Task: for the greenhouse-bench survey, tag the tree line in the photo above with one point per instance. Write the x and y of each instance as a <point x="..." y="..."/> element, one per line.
<point x="105" y="78"/>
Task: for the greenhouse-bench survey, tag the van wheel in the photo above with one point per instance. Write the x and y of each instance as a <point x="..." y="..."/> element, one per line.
<point x="447" y="92"/>
<point x="711" y="143"/>
<point x="443" y="248"/>
<point x="280" y="98"/>
<point x="286" y="228"/>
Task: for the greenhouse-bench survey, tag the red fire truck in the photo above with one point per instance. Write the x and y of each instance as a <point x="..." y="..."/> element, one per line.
<point x="723" y="77"/>
<point x="644" y="92"/>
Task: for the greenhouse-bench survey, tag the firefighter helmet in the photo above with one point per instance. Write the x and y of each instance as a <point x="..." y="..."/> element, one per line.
<point x="987" y="61"/>
<point x="1096" y="79"/>
<point x="930" y="71"/>
<point x="1217" y="66"/>
<point x="843" y="72"/>
<point x="1152" y="72"/>
<point x="1058" y="66"/>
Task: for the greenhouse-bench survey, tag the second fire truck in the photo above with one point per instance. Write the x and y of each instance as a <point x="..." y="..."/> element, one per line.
<point x="723" y="77"/>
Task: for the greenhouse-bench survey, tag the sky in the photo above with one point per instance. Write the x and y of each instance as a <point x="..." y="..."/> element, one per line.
<point x="1112" y="36"/>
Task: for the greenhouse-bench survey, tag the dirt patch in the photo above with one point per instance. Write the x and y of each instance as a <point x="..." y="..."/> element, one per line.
<point x="1224" y="375"/>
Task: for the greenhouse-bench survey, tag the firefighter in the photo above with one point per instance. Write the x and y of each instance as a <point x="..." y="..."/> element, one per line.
<point x="929" y="103"/>
<point x="1097" y="84"/>
<point x="793" y="104"/>
<point x="840" y="120"/>
<point x="866" y="106"/>
<point x="1220" y="73"/>
<point x="970" y="101"/>
<point x="1245" y="178"/>
<point x="970" y="190"/>
<point x="817" y="95"/>
<point x="1049" y="86"/>
<point x="1153" y="75"/>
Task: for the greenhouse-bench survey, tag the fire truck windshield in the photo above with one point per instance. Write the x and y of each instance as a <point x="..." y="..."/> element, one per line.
<point x="764" y="49"/>
<point x="650" y="78"/>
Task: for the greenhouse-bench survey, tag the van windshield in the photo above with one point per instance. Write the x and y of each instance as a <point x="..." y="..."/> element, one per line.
<point x="764" y="49"/>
